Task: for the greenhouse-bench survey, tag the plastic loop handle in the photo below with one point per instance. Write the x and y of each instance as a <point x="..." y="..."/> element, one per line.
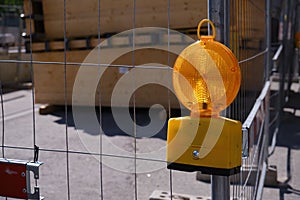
<point x="211" y="24"/>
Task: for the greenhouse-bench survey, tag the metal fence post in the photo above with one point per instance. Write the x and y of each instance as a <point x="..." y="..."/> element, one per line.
<point x="219" y="14"/>
<point x="220" y="187"/>
<point x="267" y="74"/>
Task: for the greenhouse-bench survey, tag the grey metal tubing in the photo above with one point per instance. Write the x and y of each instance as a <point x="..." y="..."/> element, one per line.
<point x="219" y="14"/>
<point x="226" y="22"/>
<point x="277" y="54"/>
<point x="296" y="64"/>
<point x="216" y="12"/>
<point x="220" y="187"/>
<point x="268" y="40"/>
<point x="276" y="57"/>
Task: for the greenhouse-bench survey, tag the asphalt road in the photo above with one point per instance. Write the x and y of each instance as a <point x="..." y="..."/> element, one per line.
<point x="287" y="155"/>
<point x="115" y="178"/>
<point x="86" y="175"/>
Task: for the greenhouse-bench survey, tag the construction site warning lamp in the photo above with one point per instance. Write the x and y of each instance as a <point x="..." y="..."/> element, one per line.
<point x="206" y="79"/>
<point x="206" y="75"/>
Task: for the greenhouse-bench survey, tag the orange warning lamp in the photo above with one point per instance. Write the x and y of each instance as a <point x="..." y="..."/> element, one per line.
<point x="206" y="75"/>
<point x="206" y="79"/>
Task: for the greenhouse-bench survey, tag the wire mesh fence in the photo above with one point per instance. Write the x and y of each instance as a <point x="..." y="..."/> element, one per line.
<point x="105" y="64"/>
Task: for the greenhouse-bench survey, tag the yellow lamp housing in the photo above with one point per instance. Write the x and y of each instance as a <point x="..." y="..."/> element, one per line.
<point x="206" y="79"/>
<point x="215" y="148"/>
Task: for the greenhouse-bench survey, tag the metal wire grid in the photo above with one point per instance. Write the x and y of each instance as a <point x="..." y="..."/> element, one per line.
<point x="239" y="191"/>
<point x="247" y="183"/>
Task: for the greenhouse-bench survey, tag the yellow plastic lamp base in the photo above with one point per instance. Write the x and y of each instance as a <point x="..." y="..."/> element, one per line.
<point x="210" y="145"/>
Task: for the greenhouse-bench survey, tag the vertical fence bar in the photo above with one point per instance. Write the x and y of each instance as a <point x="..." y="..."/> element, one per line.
<point x="267" y="77"/>
<point x="2" y="120"/>
<point x="268" y="40"/>
<point x="267" y="74"/>
<point x="218" y="13"/>
<point x="226" y="25"/>
<point x="169" y="103"/>
<point x="66" y="99"/>
<point x="220" y="187"/>
<point x="285" y="68"/>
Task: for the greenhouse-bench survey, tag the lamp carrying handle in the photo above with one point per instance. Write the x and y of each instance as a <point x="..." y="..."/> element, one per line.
<point x="211" y="24"/>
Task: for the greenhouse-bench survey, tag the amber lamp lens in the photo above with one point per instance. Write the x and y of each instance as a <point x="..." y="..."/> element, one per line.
<point x="206" y="77"/>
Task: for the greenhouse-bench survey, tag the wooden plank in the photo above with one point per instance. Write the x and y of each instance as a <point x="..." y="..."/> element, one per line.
<point x="141" y="39"/>
<point x="27" y="8"/>
<point x="49" y="79"/>
<point x="33" y="18"/>
<point x="59" y="45"/>
<point x="13" y="73"/>
<point x="47" y="46"/>
<point x="252" y="71"/>
<point x="251" y="20"/>
<point x="78" y="44"/>
<point x="29" y="23"/>
<point x="117" y="16"/>
<point x="38" y="46"/>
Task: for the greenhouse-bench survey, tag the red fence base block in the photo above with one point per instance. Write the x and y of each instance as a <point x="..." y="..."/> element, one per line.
<point x="15" y="178"/>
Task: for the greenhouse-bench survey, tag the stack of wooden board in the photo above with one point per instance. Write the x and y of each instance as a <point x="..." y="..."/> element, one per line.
<point x="70" y="32"/>
<point x="63" y="34"/>
<point x="86" y="18"/>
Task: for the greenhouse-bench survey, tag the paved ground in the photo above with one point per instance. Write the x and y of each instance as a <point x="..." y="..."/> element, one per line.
<point x="287" y="154"/>
<point x="85" y="176"/>
<point x="85" y="171"/>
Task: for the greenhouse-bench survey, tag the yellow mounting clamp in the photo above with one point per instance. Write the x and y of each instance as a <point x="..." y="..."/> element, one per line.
<point x="206" y="79"/>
